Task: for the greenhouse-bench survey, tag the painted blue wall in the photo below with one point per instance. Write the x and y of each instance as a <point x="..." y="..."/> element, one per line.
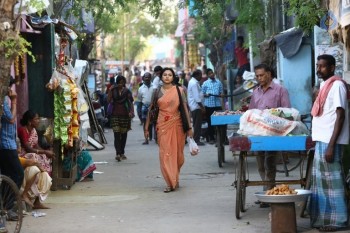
<point x="296" y="74"/>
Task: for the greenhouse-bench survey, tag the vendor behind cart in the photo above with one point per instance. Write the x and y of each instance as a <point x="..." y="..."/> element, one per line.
<point x="267" y="95"/>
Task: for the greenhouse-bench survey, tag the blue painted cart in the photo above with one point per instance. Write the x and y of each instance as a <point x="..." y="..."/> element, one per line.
<point x="221" y="122"/>
<point x="267" y="143"/>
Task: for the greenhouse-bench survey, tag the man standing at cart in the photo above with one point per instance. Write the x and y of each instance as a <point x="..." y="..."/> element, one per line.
<point x="330" y="130"/>
<point x="267" y="95"/>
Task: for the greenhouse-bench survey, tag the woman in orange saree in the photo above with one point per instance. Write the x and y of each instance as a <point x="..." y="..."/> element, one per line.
<point x="170" y="133"/>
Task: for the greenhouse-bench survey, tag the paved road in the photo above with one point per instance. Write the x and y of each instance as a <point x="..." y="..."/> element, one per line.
<point x="127" y="196"/>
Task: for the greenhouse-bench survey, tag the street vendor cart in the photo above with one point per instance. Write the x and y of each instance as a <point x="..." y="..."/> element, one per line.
<point x="245" y="144"/>
<point x="221" y="122"/>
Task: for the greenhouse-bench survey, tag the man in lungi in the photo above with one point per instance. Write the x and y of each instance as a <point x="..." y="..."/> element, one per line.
<point x="330" y="130"/>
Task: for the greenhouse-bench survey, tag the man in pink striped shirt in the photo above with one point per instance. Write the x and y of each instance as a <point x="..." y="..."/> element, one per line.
<point x="267" y="95"/>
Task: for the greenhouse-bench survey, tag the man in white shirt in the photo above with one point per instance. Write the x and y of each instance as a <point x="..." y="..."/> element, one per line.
<point x="144" y="96"/>
<point x="330" y="130"/>
<point x="156" y="82"/>
<point x="194" y="96"/>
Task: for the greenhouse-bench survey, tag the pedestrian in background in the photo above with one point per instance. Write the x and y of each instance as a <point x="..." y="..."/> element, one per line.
<point x="123" y="112"/>
<point x="171" y="135"/>
<point x="330" y="130"/>
<point x="156" y="82"/>
<point x="194" y="95"/>
<point x="212" y="91"/>
<point x="182" y="78"/>
<point x="144" y="96"/>
<point x="267" y="95"/>
<point x="242" y="58"/>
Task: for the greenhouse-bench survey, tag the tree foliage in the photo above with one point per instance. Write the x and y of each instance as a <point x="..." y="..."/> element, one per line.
<point x="251" y="14"/>
<point x="106" y="15"/>
<point x="135" y="26"/>
<point x="210" y="27"/>
<point x="307" y="13"/>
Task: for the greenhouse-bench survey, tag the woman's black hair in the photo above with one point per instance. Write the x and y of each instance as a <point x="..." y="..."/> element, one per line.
<point x="164" y="69"/>
<point x="119" y="78"/>
<point x="27" y="116"/>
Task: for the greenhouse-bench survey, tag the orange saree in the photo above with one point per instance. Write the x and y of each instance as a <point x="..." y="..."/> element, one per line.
<point x="171" y="138"/>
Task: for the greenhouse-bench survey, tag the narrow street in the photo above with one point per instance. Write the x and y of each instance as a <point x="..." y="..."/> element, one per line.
<point x="128" y="196"/>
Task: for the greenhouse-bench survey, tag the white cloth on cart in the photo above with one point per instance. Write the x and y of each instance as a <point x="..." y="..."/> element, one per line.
<point x="255" y="122"/>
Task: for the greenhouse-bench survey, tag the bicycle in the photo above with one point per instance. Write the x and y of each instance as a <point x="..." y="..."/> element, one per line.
<point x="10" y="201"/>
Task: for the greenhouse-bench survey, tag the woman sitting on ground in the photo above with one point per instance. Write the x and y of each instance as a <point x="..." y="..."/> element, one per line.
<point x="36" y="183"/>
<point x="29" y="141"/>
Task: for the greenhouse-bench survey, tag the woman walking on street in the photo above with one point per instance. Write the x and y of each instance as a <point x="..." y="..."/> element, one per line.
<point x="123" y="112"/>
<point x="171" y="135"/>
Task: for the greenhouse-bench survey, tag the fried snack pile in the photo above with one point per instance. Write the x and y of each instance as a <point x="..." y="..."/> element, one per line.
<point x="282" y="189"/>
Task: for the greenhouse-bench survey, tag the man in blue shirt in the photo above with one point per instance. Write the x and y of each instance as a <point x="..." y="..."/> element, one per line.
<point x="9" y="161"/>
<point x="212" y="90"/>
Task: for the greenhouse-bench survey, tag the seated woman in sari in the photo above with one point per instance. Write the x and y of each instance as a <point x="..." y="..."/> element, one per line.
<point x="85" y="166"/>
<point x="29" y="141"/>
<point x="36" y="183"/>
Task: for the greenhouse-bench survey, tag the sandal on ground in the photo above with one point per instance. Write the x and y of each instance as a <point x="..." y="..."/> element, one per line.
<point x="168" y="189"/>
<point x="327" y="229"/>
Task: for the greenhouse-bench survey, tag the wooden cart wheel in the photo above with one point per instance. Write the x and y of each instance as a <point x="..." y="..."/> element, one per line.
<point x="307" y="180"/>
<point x="240" y="186"/>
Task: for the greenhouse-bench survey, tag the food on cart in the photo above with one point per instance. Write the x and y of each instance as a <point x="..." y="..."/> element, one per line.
<point x="275" y="111"/>
<point x="282" y="189"/>
<point x="280" y="113"/>
<point x="227" y="112"/>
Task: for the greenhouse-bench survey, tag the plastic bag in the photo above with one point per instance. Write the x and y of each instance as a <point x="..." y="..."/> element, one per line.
<point x="110" y="109"/>
<point x="263" y="123"/>
<point x="194" y="150"/>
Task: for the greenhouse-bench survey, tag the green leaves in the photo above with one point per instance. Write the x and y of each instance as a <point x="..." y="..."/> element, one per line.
<point x="16" y="47"/>
<point x="210" y="20"/>
<point x="307" y="13"/>
<point x="251" y="14"/>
